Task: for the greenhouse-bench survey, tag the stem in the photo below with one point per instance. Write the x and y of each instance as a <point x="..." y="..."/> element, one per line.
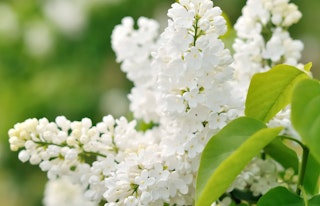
<point x="115" y="147"/>
<point x="195" y="32"/>
<point x="94" y="154"/>
<point x="303" y="166"/>
<point x="305" y="198"/>
<point x="294" y="140"/>
<point x="263" y="155"/>
<point x="305" y="155"/>
<point x="85" y="153"/>
<point x="50" y="143"/>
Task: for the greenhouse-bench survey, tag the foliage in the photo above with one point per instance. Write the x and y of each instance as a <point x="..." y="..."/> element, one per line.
<point x="302" y="93"/>
<point x="227" y="153"/>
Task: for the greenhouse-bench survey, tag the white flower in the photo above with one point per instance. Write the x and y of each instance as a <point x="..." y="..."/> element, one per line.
<point x="225" y="202"/>
<point x="260" y="176"/>
<point x="133" y="48"/>
<point x="63" y="123"/>
<point x="24" y="156"/>
<point x="193" y="97"/>
<point x="194" y="58"/>
<point x="217" y="121"/>
<point x="181" y="16"/>
<point x="131" y="201"/>
<point x="63" y="192"/>
<point x="144" y="181"/>
<point x="194" y="147"/>
<point x="263" y="40"/>
<point x="274" y="48"/>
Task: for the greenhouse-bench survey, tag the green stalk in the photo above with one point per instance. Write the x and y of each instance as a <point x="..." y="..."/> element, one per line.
<point x="305" y="155"/>
<point x="195" y="37"/>
<point x="303" y="166"/>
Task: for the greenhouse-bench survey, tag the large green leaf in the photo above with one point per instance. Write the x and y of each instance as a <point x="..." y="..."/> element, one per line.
<point x="281" y="196"/>
<point x="271" y="91"/>
<point x="283" y="154"/>
<point x="311" y="177"/>
<point x="226" y="155"/>
<point x="315" y="201"/>
<point x="305" y="114"/>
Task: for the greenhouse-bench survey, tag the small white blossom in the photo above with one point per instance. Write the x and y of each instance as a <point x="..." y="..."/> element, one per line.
<point x="260" y="176"/>
<point x="24" y="156"/>
<point x="133" y="48"/>
<point x="63" y="192"/>
<point x="263" y="40"/>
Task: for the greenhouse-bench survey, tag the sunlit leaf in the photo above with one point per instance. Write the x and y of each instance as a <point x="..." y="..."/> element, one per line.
<point x="271" y="91"/>
<point x="305" y="114"/>
<point x="311" y="177"/>
<point x="280" y="196"/>
<point x="314" y="201"/>
<point x="305" y="117"/>
<point x="226" y="155"/>
<point x="308" y="66"/>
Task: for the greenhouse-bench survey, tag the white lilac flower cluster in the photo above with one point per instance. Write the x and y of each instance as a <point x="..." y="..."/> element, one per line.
<point x="62" y="192"/>
<point x="84" y="153"/>
<point x="133" y="48"/>
<point x="261" y="175"/>
<point x="183" y="84"/>
<point x="263" y="39"/>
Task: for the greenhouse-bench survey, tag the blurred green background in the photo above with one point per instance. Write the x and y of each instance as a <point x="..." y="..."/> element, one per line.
<point x="56" y="59"/>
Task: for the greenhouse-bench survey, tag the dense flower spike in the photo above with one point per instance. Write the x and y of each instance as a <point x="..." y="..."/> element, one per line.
<point x="64" y="193"/>
<point x="263" y="39"/>
<point x="133" y="48"/>
<point x="259" y="177"/>
<point x="187" y="78"/>
<point x="75" y="149"/>
<point x="191" y="61"/>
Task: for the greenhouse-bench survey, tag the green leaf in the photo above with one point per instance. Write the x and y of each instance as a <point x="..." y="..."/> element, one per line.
<point x="305" y="114"/>
<point x="307" y="67"/>
<point x="305" y="117"/>
<point x="280" y="196"/>
<point x="311" y="177"/>
<point x="271" y="91"/>
<point x="315" y="201"/>
<point x="283" y="154"/>
<point x="226" y="155"/>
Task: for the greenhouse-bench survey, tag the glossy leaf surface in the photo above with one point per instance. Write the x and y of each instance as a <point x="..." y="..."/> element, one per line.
<point x="271" y="91"/>
<point x="281" y="196"/>
<point x="305" y="114"/>
<point x="226" y="155"/>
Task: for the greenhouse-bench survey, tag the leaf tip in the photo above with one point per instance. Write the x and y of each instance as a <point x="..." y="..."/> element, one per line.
<point x="308" y="66"/>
